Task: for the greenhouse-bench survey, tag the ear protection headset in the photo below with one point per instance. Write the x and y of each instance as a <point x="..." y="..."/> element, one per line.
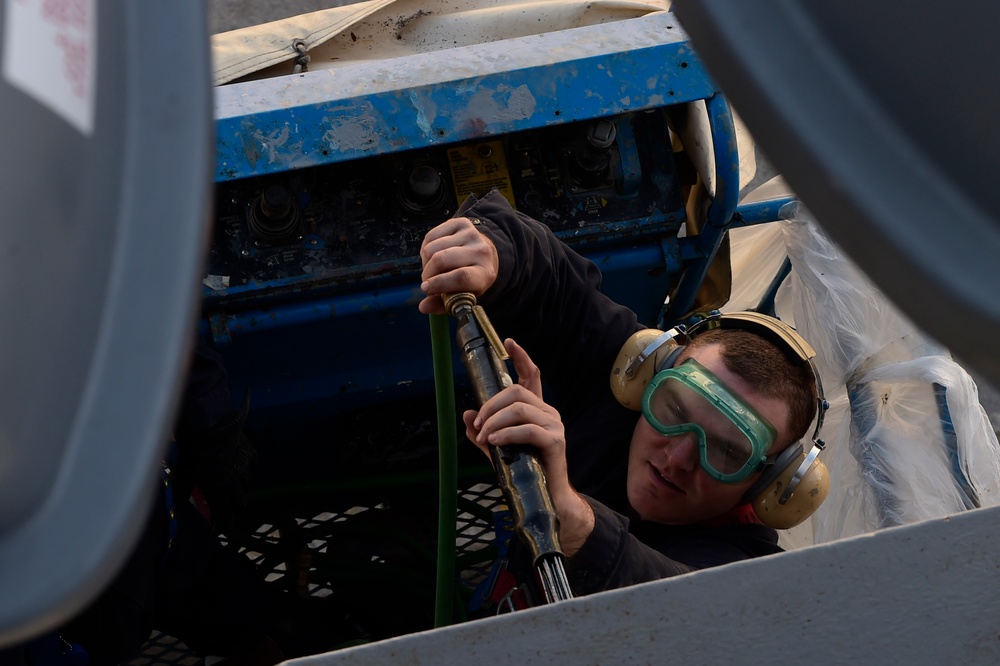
<point x="795" y="482"/>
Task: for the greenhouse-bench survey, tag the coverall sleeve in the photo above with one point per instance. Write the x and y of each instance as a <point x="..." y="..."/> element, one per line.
<point x="548" y="298"/>
<point x="612" y="558"/>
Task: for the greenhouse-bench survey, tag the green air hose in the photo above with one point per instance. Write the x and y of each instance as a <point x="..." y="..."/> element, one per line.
<point x="444" y="390"/>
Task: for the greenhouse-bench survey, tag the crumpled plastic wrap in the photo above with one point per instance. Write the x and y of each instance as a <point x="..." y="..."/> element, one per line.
<point x="907" y="439"/>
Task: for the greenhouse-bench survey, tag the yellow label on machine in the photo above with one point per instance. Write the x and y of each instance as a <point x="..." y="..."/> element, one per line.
<point x="478" y="168"/>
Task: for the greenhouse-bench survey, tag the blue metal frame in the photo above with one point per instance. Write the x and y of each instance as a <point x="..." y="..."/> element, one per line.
<point x="365" y="109"/>
<point x="223" y="326"/>
<point x="760" y="211"/>
<point x="700" y="250"/>
<point x="369" y="108"/>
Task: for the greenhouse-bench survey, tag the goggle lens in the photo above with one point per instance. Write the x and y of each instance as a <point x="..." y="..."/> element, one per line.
<point x="732" y="438"/>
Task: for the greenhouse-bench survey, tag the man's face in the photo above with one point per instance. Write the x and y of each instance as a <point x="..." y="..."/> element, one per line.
<point x="666" y="483"/>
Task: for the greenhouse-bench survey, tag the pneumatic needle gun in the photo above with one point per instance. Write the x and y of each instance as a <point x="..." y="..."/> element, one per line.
<point x="520" y="474"/>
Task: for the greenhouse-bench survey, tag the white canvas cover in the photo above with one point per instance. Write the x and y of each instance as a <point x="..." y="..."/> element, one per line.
<point x="380" y="29"/>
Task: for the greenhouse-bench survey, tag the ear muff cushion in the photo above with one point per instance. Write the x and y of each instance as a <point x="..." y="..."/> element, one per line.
<point x="784" y="460"/>
<point x="630" y="376"/>
<point x="807" y="497"/>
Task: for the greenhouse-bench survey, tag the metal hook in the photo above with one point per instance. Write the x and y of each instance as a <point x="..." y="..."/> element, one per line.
<point x="302" y="61"/>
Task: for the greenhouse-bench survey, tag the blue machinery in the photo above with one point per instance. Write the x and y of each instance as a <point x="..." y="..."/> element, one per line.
<point x="327" y="181"/>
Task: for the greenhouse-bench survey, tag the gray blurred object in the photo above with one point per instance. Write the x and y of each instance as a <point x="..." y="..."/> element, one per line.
<point x="226" y="15"/>
<point x="882" y="118"/>
<point x="102" y="239"/>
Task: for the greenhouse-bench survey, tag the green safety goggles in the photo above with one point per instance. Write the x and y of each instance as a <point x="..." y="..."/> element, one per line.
<point x="733" y="439"/>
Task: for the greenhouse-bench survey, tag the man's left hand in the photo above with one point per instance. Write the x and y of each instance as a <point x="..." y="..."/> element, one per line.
<point x="519" y="415"/>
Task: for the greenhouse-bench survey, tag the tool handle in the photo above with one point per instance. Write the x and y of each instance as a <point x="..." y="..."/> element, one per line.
<point x="521" y="476"/>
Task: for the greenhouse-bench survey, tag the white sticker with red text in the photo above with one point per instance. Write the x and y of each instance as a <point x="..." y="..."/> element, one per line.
<point x="50" y="53"/>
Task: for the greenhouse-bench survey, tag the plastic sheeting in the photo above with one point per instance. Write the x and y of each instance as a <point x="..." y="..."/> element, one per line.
<point x="757" y="252"/>
<point x="907" y="438"/>
<point x="380" y="29"/>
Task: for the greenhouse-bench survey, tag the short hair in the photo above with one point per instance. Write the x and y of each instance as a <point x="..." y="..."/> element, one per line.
<point x="768" y="369"/>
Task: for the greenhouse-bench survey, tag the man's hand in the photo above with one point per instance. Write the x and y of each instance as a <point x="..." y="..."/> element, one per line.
<point x="456" y="257"/>
<point x="519" y="415"/>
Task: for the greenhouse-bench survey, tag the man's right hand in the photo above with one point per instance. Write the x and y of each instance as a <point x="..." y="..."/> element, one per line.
<point x="456" y="258"/>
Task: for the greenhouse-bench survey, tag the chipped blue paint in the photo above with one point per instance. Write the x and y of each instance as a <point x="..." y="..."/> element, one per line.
<point x="349" y="132"/>
<point x="504" y="104"/>
<point x="364" y="109"/>
<point x="369" y="108"/>
<point x="422" y="107"/>
<point x="720" y="212"/>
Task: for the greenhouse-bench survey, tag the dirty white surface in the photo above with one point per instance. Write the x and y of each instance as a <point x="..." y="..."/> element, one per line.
<point x="919" y="594"/>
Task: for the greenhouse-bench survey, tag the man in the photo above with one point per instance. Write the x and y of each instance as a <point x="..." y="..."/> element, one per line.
<point x="641" y="498"/>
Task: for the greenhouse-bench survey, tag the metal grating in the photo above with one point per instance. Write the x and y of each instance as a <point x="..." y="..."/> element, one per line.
<point x="475" y="533"/>
<point x="164" y="650"/>
<point x="318" y="540"/>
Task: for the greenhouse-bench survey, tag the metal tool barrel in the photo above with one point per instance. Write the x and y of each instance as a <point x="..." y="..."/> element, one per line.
<point x="520" y="474"/>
